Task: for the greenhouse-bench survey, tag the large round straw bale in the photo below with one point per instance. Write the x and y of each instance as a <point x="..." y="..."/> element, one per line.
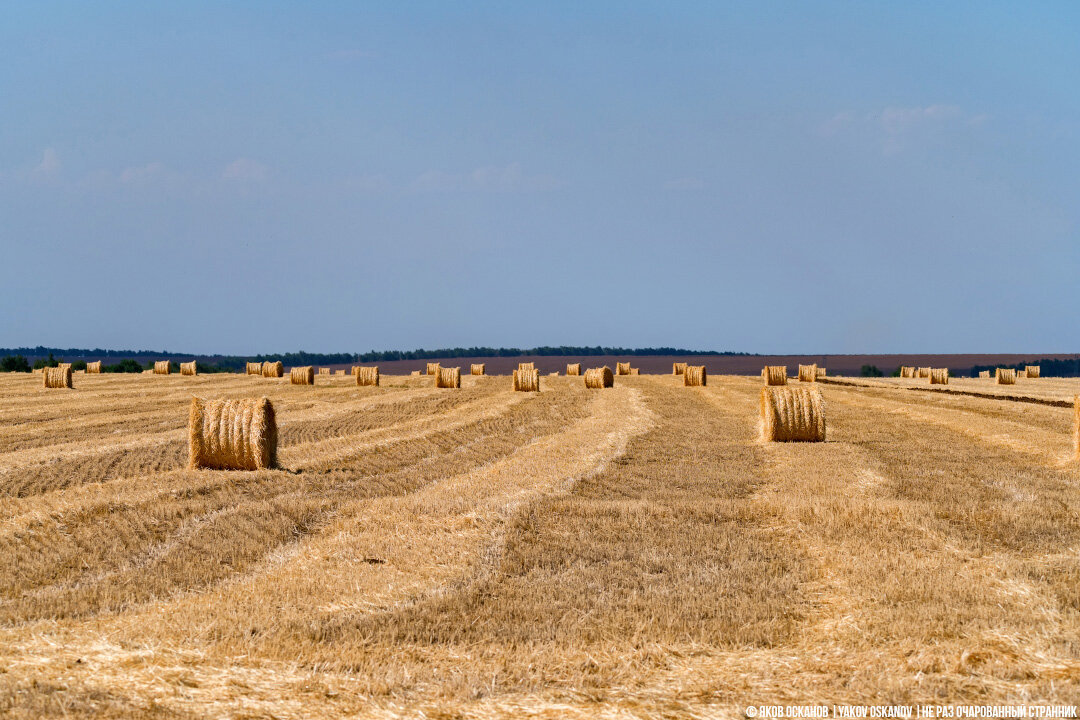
<point x="792" y="414"/>
<point x="678" y="368"/>
<point x="432" y="368"/>
<point x="1006" y="376"/>
<point x="302" y="375"/>
<point x="367" y="376"/>
<point x="527" y="380"/>
<point x="774" y="374"/>
<point x="622" y="368"/>
<point x="573" y="368"/>
<point x="478" y="369"/>
<point x="93" y="368"/>
<point x="984" y="374"/>
<point x="448" y="377"/>
<point x="808" y="373"/>
<point x="694" y="376"/>
<point x="57" y="377"/>
<point x="924" y="372"/>
<point x="1033" y="371"/>
<point x="939" y="376"/>
<point x="273" y="369"/>
<point x="254" y="368"/>
<point x="189" y="368"/>
<point x="232" y="434"/>
<point x="162" y="367"/>
<point x="597" y="378"/>
<point x="526" y="366"/>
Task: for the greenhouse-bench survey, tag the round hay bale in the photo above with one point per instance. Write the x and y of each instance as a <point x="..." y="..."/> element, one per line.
<point x="302" y="375"/>
<point x="339" y="372"/>
<point x="93" y="368"/>
<point x="808" y="373"/>
<point x="984" y="374"/>
<point x="792" y="414"/>
<point x="478" y="369"/>
<point x="573" y="368"/>
<point x="906" y="371"/>
<point x="162" y="367"/>
<point x="820" y="373"/>
<point x="254" y="368"/>
<point x="526" y="366"/>
<point x="273" y="369"/>
<point x="1033" y="371"/>
<point x="189" y="368"/>
<point x="448" y="377"/>
<point x="678" y="368"/>
<point x="527" y="380"/>
<point x="622" y="368"/>
<point x="232" y="434"/>
<point x="367" y="376"/>
<point x="324" y="371"/>
<point x="774" y="374"/>
<point x="694" y="376"/>
<point x="1006" y="376"/>
<point x="57" y="377"/>
<point x="598" y="378"/>
<point x="415" y="373"/>
<point x="939" y="376"/>
<point x="432" y="368"/>
<point x="924" y="372"/>
<point x="635" y="371"/>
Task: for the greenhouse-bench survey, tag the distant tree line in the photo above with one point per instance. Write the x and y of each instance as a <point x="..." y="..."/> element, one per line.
<point x="1069" y="367"/>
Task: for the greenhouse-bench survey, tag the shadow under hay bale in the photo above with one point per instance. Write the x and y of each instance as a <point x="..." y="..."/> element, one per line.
<point x="232" y="434"/>
<point x="792" y="414"/>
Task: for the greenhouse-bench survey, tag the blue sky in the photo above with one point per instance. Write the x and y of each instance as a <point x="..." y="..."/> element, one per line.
<point x="769" y="177"/>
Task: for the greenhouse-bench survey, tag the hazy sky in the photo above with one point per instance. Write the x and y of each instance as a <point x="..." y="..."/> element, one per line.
<point x="769" y="177"/>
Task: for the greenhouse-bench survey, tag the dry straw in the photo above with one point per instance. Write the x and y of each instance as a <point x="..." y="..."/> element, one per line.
<point x="774" y="375"/>
<point x="694" y="376"/>
<point x="906" y="371"/>
<point x="302" y="375"/>
<point x="1076" y="424"/>
<point x="324" y="371"/>
<point x="57" y="377"/>
<point x="527" y="380"/>
<point x="415" y="373"/>
<point x="573" y="368"/>
<point x="820" y="373"/>
<point x="254" y="368"/>
<point x="678" y="368"/>
<point x="924" y="372"/>
<point x="622" y="368"/>
<point x="433" y="368"/>
<point x="232" y="434"/>
<point x="189" y="368"/>
<point x="984" y="374"/>
<point x="635" y="371"/>
<point x="1006" y="376"/>
<point x="807" y="373"/>
<point x="93" y="368"/>
<point x="273" y="369"/>
<point x="448" y="377"/>
<point x="478" y="369"/>
<point x="526" y="366"/>
<point x="162" y="367"/>
<point x="339" y="372"/>
<point x="792" y="414"/>
<point x="1033" y="371"/>
<point x="367" y="375"/>
<point x="597" y="378"/>
<point x="939" y="376"/>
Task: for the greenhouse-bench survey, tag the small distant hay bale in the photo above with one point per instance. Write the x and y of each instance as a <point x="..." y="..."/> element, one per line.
<point x="635" y="371"/>
<point x="273" y="369"/>
<point x="622" y="368"/>
<point x="527" y="380"/>
<point x="232" y="434"/>
<point x="939" y="376"/>
<point x="820" y="373"/>
<point x="554" y="373"/>
<point x="1005" y="376"/>
<point x="324" y="371"/>
<point x="302" y="375"/>
<point x="162" y="367"/>
<point x="448" y="377"/>
<point x="1033" y="371"/>
<point x="985" y="374"/>
<point x="254" y="368"/>
<point x="189" y="368"/>
<point x="774" y="374"/>
<point x="526" y="366"/>
<point x="478" y="369"/>
<point x="415" y="373"/>
<point x="906" y="371"/>
<point x="924" y="372"/>
<point x="694" y="376"/>
<point x="792" y="414"/>
<point x="573" y="368"/>
<point x="433" y="368"/>
<point x="93" y="368"/>
<point x="808" y="373"/>
<point x="678" y="368"/>
<point x="366" y="376"/>
<point x="57" y="377"/>
<point x="339" y="372"/>
<point x="599" y="378"/>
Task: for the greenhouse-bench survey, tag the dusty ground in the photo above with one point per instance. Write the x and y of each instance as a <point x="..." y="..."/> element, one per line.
<point x="632" y="552"/>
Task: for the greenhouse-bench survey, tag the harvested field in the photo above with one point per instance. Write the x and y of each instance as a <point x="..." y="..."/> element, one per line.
<point x="637" y="552"/>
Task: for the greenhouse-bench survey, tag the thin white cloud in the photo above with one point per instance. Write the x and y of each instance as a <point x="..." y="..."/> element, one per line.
<point x="245" y="169"/>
